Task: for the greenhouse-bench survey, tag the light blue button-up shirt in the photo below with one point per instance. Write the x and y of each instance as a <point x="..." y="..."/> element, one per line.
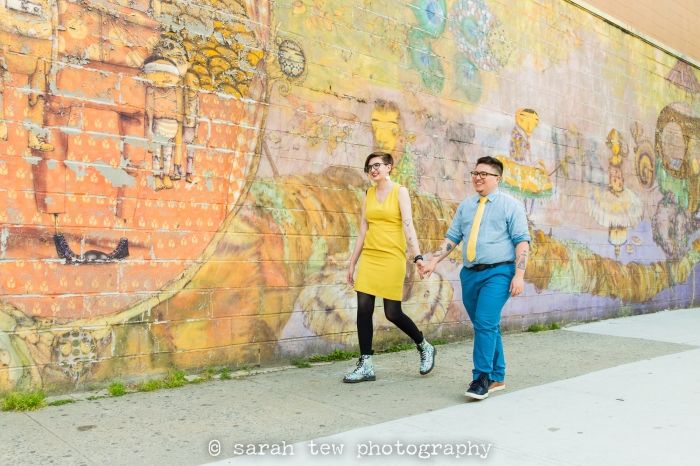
<point x="503" y="225"/>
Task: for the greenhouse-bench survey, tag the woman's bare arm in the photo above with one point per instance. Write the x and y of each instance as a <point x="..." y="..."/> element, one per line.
<point x="409" y="229"/>
<point x="364" y="226"/>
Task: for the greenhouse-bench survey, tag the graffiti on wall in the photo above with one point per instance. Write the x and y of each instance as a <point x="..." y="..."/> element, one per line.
<point x="182" y="182"/>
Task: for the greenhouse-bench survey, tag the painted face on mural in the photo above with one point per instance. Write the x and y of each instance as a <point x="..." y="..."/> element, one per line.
<point x="527" y="119"/>
<point x="617" y="146"/>
<point x="385" y="127"/>
<point x="162" y="73"/>
<point x="485" y="185"/>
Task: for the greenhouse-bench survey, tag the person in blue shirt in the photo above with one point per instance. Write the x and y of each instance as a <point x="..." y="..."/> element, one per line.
<point x="494" y="228"/>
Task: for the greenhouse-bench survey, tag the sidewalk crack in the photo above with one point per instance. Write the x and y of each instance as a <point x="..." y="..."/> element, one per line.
<point x="59" y="438"/>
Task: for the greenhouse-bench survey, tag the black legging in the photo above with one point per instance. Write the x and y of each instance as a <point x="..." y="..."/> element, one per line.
<point x="393" y="313"/>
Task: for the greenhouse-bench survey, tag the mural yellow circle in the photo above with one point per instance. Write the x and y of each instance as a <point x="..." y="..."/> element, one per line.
<point x="77" y="28"/>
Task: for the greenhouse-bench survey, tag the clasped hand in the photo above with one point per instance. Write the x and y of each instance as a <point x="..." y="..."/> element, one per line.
<point x="425" y="270"/>
<point x="419" y="266"/>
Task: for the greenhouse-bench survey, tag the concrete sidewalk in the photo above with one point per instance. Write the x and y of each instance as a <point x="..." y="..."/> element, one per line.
<point x="639" y="413"/>
<point x="559" y="383"/>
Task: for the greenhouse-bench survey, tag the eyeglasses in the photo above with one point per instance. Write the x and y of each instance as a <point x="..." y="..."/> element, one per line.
<point x="482" y="175"/>
<point x="374" y="166"/>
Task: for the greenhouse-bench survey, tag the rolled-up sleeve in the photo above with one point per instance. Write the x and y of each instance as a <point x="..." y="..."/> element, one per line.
<point x="455" y="231"/>
<point x="517" y="225"/>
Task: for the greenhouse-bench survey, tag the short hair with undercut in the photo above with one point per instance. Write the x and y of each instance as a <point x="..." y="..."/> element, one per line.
<point x="492" y="162"/>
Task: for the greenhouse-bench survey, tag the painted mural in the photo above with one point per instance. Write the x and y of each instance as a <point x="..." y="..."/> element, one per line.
<point x="181" y="180"/>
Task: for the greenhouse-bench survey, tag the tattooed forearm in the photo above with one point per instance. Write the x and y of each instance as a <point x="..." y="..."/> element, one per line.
<point x="410" y="242"/>
<point x="443" y="250"/>
<point x="407" y="222"/>
<point x="523" y="261"/>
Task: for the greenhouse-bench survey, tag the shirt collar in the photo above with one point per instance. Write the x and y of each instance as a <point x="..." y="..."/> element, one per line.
<point x="492" y="196"/>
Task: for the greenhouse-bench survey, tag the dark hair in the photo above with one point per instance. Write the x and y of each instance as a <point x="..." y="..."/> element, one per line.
<point x="386" y="158"/>
<point x="492" y="162"/>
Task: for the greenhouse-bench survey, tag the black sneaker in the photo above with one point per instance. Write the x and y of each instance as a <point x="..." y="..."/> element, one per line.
<point x="479" y="388"/>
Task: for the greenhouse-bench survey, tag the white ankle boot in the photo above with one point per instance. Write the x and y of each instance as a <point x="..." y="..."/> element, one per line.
<point x="427" y="356"/>
<point x="363" y="372"/>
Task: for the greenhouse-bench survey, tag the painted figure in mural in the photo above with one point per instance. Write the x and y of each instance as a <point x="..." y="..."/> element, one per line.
<point x="164" y="115"/>
<point x="498" y="237"/>
<point x="387" y="131"/>
<point x="190" y="125"/>
<point x="526" y="121"/>
<point x="615" y="206"/>
<point x="678" y="177"/>
<point x="523" y="176"/>
<point x="426" y="301"/>
<point x="676" y="169"/>
<point x="385" y="230"/>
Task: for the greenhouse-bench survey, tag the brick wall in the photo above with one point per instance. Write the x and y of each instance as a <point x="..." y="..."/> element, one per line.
<point x="672" y="22"/>
<point x="190" y="196"/>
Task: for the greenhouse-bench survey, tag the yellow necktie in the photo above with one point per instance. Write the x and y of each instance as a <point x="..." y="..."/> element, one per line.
<point x="471" y="245"/>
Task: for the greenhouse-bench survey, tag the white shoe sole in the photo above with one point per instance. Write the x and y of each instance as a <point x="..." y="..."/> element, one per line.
<point x="475" y="396"/>
<point x="497" y="389"/>
<point x="366" y="379"/>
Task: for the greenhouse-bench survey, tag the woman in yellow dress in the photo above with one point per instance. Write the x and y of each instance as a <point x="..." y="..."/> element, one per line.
<point x="386" y="229"/>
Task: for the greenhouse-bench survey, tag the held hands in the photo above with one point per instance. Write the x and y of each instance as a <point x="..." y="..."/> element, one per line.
<point x="425" y="270"/>
<point x="516" y="286"/>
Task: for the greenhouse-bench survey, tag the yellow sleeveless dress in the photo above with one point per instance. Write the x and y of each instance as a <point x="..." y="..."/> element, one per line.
<point x="382" y="266"/>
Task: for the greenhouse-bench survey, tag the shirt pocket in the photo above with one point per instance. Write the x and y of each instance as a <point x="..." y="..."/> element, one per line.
<point x="496" y="229"/>
<point x="496" y="221"/>
<point x="497" y="225"/>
